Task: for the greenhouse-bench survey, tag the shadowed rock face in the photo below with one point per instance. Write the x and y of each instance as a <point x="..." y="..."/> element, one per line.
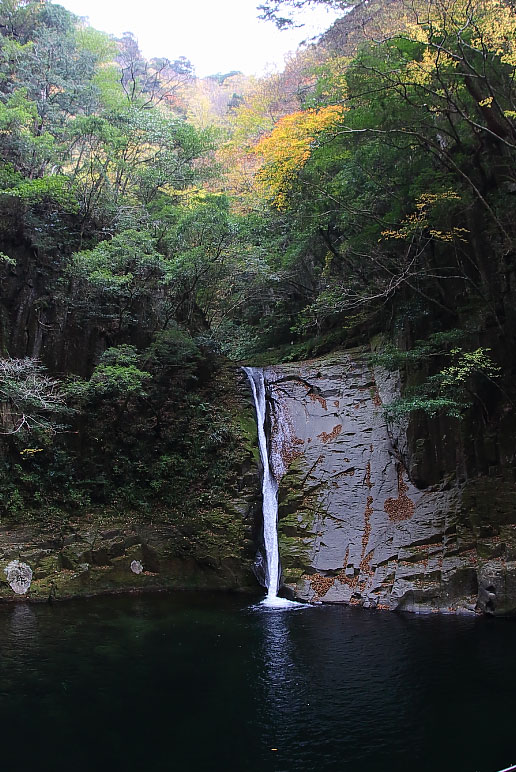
<point x="88" y="558"/>
<point x="352" y="526"/>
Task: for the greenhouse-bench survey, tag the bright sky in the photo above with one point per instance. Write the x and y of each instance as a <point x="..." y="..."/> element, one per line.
<point x="216" y="35"/>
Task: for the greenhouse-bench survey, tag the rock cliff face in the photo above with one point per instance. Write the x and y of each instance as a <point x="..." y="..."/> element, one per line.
<point x="353" y="528"/>
<point x="102" y="556"/>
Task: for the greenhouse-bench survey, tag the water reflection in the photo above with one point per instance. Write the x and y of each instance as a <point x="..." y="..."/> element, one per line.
<point x="201" y="683"/>
<point x="23" y="628"/>
<point x="19" y="646"/>
<point x="277" y="652"/>
<point x="323" y="689"/>
<point x="282" y="695"/>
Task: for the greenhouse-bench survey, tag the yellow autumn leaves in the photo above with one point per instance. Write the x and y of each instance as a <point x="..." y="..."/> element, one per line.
<point x="457" y="39"/>
<point x="418" y="222"/>
<point x="478" y="25"/>
<point x="285" y="151"/>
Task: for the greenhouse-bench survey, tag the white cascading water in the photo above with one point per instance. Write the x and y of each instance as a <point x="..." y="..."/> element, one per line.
<point x="269" y="493"/>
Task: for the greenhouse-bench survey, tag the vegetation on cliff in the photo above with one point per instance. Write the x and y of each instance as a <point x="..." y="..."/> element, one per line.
<point x="151" y="223"/>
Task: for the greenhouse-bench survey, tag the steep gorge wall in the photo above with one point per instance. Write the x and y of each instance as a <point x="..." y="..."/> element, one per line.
<point x="205" y="541"/>
<point x="36" y="321"/>
<point x="353" y="527"/>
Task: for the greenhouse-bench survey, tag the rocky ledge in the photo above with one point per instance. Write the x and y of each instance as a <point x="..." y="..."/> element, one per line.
<point x="106" y="556"/>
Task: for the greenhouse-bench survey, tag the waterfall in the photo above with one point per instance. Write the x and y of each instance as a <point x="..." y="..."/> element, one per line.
<point x="269" y="494"/>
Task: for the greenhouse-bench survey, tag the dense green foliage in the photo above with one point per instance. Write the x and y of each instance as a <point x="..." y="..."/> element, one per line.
<point x="102" y="213"/>
<point x="367" y="189"/>
<point x="399" y="215"/>
<point x="450" y="390"/>
<point x="148" y="432"/>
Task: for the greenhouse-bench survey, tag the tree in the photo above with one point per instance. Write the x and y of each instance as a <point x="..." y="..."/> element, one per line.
<point x="127" y="158"/>
<point x="272" y="10"/>
<point x="148" y="83"/>
<point x="118" y="283"/>
<point x="287" y="149"/>
<point x="383" y="206"/>
<point x="30" y="400"/>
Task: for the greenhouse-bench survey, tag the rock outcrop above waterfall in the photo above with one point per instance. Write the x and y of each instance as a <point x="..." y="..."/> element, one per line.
<point x="353" y="527"/>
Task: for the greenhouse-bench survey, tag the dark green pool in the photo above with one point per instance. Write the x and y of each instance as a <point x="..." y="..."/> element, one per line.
<point x="203" y="682"/>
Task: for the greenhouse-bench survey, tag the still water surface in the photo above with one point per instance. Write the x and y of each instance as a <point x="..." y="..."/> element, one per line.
<point x="202" y="682"/>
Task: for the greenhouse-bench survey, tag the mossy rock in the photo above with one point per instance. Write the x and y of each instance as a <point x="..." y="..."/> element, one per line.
<point x="291" y="493"/>
<point x="47" y="566"/>
<point x="246" y="424"/>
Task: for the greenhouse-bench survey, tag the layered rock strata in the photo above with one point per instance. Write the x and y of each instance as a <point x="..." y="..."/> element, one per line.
<point x="352" y="526"/>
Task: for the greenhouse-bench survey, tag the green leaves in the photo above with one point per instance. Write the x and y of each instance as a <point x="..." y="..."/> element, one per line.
<point x="56" y="189"/>
<point x="129" y="157"/>
<point x="117" y="375"/>
<point x="465" y="365"/>
<point x="452" y="389"/>
<point x="128" y="258"/>
<point x="120" y="281"/>
<point x="17" y="112"/>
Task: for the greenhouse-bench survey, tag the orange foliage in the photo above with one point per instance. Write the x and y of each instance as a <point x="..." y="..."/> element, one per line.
<point x="285" y="151"/>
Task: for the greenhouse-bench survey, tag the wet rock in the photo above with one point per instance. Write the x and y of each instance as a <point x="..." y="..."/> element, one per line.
<point x="19" y="576"/>
<point x="353" y="526"/>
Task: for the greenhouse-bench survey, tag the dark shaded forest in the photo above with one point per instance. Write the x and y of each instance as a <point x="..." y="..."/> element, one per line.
<point x="155" y="227"/>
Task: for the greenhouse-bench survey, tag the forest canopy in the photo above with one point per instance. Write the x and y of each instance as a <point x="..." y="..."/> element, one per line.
<point x="152" y="221"/>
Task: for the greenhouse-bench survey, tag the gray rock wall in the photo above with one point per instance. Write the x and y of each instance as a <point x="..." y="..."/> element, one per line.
<point x="352" y="526"/>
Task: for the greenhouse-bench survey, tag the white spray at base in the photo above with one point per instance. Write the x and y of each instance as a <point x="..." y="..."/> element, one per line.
<point x="270" y="495"/>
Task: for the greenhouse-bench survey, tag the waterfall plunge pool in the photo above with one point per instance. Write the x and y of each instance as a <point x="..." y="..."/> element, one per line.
<point x="205" y="683"/>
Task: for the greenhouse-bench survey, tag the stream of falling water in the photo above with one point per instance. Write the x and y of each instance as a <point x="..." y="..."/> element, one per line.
<point x="269" y="493"/>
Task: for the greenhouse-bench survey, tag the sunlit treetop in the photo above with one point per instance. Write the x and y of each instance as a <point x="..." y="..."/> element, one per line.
<point x="288" y="147"/>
